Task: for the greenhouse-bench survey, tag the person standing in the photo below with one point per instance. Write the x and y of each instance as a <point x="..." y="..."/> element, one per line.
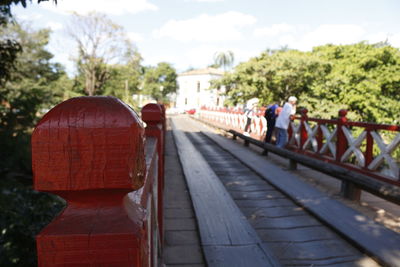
<point x="250" y="113"/>
<point x="270" y="115"/>
<point x="283" y="120"/>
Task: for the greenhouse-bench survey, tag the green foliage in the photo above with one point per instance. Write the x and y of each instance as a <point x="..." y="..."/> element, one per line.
<point x="160" y="81"/>
<point x="363" y="78"/>
<point x="274" y="76"/>
<point x="27" y="80"/>
<point x="24" y="212"/>
<point x="9" y="50"/>
<point x="30" y="89"/>
<point x="125" y="79"/>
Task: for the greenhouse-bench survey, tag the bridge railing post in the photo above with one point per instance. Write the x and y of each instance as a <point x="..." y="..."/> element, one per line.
<point x="369" y="147"/>
<point x="303" y="137"/>
<point x="348" y="189"/>
<point x="164" y="120"/>
<point x="303" y="130"/>
<point x="341" y="141"/>
<point x="154" y="116"/>
<point x="91" y="152"/>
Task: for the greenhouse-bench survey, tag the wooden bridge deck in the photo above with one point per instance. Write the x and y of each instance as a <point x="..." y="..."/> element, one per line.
<point x="182" y="242"/>
<point x="300" y="244"/>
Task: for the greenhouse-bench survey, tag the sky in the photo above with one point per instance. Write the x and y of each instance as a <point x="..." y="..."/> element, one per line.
<point x="188" y="33"/>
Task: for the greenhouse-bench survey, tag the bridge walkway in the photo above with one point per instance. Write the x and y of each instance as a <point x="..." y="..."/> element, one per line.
<point x="182" y="241"/>
<point x="287" y="229"/>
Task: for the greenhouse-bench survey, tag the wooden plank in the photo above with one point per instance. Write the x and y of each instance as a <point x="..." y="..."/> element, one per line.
<point x="284" y="222"/>
<point x="257" y="195"/>
<point x="181" y="248"/>
<point x="376" y="240"/>
<point x="238" y="256"/>
<point x="274" y="212"/>
<point x="176" y="238"/>
<point x="224" y="231"/>
<point x="183" y="254"/>
<point x="319" y="253"/>
<point x="170" y="213"/>
<point x="297" y="234"/>
<point x="265" y="203"/>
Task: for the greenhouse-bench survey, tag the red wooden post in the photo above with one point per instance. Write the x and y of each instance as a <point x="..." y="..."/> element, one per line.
<point x="290" y="133"/>
<point x="90" y="151"/>
<point x="303" y="130"/>
<point x="348" y="189"/>
<point x="369" y="149"/>
<point x="320" y="138"/>
<point x="164" y="121"/>
<point x="153" y="116"/>
<point x="341" y="142"/>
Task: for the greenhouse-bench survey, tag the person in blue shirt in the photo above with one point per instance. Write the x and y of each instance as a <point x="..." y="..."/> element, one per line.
<point x="270" y="115"/>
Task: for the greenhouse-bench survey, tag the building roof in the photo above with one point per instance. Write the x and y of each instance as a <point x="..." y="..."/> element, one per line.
<point x="206" y="71"/>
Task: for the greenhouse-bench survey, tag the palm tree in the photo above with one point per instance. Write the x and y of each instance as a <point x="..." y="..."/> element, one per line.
<point x="224" y="59"/>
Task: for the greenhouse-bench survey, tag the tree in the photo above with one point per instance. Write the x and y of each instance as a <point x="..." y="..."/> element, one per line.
<point x="273" y="77"/>
<point x="160" y="81"/>
<point x="100" y="43"/>
<point x="28" y="90"/>
<point x="9" y="48"/>
<point x="224" y="59"/>
<point x="362" y="78"/>
<point x="126" y="78"/>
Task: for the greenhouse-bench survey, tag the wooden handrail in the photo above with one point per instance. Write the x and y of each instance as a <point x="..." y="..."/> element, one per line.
<point x="92" y="152"/>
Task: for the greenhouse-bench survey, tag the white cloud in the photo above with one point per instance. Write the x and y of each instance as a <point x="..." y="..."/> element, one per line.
<point x="205" y="0"/>
<point x="30" y="17"/>
<point x="394" y="40"/>
<point x="274" y="30"/>
<point x="206" y="28"/>
<point x="55" y="26"/>
<point x="203" y="55"/>
<point x="303" y="38"/>
<point x="115" y="7"/>
<point x="377" y="37"/>
<point x="135" y="37"/>
<point x="332" y="34"/>
<point x="286" y="39"/>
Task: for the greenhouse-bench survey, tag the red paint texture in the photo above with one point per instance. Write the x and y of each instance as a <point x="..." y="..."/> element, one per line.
<point x="90" y="151"/>
<point x="303" y="130"/>
<point x="88" y="143"/>
<point x="341" y="143"/>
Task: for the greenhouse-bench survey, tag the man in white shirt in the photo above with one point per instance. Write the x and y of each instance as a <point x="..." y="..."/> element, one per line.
<point x="283" y="120"/>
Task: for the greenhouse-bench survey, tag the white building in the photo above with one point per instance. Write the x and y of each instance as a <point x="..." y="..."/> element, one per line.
<point x="194" y="89"/>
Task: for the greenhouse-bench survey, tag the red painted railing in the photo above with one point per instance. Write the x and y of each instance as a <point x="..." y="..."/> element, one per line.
<point x="92" y="152"/>
<point x="375" y="150"/>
